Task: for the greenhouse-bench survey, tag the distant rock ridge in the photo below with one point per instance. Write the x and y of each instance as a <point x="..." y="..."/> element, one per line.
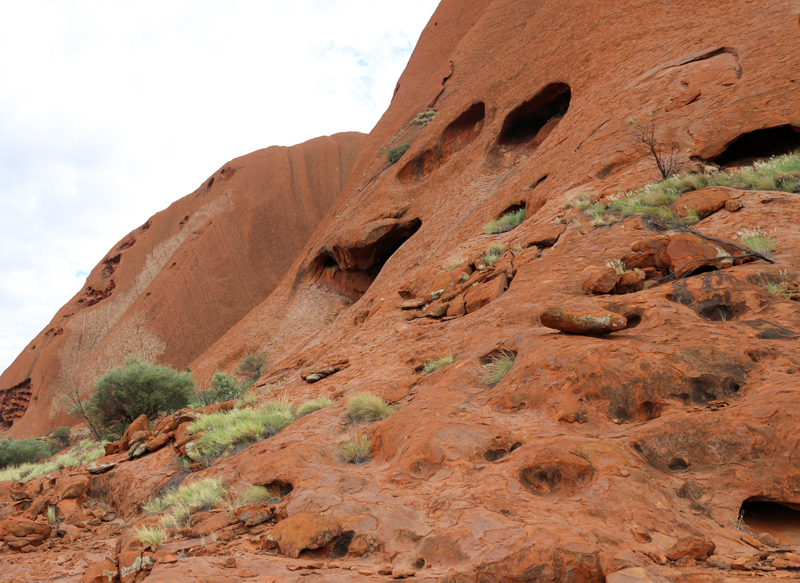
<point x="171" y="287"/>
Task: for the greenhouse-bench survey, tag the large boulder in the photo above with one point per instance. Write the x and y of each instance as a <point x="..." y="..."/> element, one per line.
<point x="301" y="531"/>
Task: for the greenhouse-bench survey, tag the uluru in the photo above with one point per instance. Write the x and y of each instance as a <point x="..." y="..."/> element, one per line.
<point x="541" y="324"/>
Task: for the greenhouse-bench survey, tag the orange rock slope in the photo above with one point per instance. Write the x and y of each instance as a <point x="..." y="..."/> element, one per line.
<point x="173" y="286"/>
<point x="619" y="455"/>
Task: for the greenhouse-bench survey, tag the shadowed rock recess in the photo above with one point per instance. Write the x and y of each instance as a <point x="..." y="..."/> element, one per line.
<point x="658" y="446"/>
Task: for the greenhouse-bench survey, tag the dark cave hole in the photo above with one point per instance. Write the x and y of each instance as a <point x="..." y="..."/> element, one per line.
<point x="633" y="320"/>
<point x="648" y="410"/>
<point x="529" y="124"/>
<point x="285" y="488"/>
<point x="760" y="144"/>
<point x="678" y="464"/>
<point x="341" y="544"/>
<point x="492" y="455"/>
<point x="210" y="182"/>
<point x="419" y="563"/>
<point x="779" y="519"/>
<point x="719" y="313"/>
<point x="362" y="264"/>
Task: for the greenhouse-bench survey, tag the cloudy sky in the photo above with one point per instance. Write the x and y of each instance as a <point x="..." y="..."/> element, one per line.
<point x="109" y="111"/>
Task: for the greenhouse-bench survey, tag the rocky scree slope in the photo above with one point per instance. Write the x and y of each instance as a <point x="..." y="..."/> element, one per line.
<point x="171" y="287"/>
<point x="598" y="457"/>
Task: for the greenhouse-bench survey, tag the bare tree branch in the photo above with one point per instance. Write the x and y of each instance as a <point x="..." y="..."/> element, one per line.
<point x="667" y="155"/>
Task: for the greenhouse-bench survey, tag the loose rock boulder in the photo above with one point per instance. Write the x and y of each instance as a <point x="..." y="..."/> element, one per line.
<point x="589" y="322"/>
<point x="301" y="531"/>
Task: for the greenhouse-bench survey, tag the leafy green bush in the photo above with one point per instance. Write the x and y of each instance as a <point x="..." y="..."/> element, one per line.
<point x="506" y="223"/>
<point x="229" y="432"/>
<point x="367" y="407"/>
<point x="28" y="451"/>
<point x="498" y="367"/>
<point x="224" y="387"/>
<point x="253" y="366"/>
<point x="61" y="437"/>
<point x="84" y="452"/>
<point x="357" y="450"/>
<point x="138" y="388"/>
<point x="313" y="405"/>
<point x="436" y="364"/>
<point x="394" y="154"/>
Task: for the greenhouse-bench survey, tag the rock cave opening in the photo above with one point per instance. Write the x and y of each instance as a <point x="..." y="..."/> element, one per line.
<point x="351" y="271"/>
<point x="781" y="520"/>
<point x="461" y="132"/>
<point x="529" y="124"/>
<point x="760" y="145"/>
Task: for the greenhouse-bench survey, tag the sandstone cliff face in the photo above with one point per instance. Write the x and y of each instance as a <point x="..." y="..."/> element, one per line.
<point x="591" y="448"/>
<point x="170" y="288"/>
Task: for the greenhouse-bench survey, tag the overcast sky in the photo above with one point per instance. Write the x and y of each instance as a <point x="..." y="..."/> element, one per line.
<point x="110" y="111"/>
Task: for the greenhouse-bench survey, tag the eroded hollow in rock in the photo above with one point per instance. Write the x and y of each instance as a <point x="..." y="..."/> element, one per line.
<point x="759" y="145"/>
<point x="492" y="455"/>
<point x="556" y="476"/>
<point x="339" y="546"/>
<point x="780" y="520"/>
<point x="719" y="313"/>
<point x="529" y="124"/>
<point x="351" y="270"/>
<point x="464" y="130"/>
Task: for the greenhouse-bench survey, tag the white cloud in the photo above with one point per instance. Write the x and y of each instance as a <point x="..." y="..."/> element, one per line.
<point x="109" y="111"/>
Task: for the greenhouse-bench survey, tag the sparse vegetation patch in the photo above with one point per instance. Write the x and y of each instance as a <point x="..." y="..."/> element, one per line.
<point x="84" y="452"/>
<point x="506" y="223"/>
<point x="357" y="451"/>
<point x="367" y="407"/>
<point x="395" y="153"/>
<point x="313" y="405"/>
<point x="436" y="364"/>
<point x="498" y="367"/>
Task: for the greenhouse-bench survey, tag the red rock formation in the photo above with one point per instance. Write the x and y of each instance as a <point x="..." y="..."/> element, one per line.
<point x="595" y="458"/>
<point x="170" y="288"/>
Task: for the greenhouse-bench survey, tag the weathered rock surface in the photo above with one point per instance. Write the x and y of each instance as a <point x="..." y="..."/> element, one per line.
<point x="591" y="322"/>
<point x="594" y="456"/>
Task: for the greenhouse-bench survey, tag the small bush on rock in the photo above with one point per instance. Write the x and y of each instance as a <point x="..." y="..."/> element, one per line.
<point x="436" y="364"/>
<point x="357" y="451"/>
<point x="506" y="223"/>
<point x="61" y="437"/>
<point x="253" y="366"/>
<point x="28" y="451"/>
<point x="367" y="407"/>
<point x="150" y="535"/>
<point x="138" y="388"/>
<point x="258" y="494"/>
<point x="224" y="387"/>
<point x="394" y="154"/>
<point x="758" y="240"/>
<point x="312" y="405"/>
<point x="229" y="432"/>
<point x="498" y="367"/>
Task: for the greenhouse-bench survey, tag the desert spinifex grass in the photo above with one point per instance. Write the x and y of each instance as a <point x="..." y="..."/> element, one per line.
<point x="150" y="535"/>
<point x="506" y="222"/>
<point x="493" y="254"/>
<point x="189" y="498"/>
<point x="781" y="284"/>
<point x="498" y="367"/>
<point x="357" y="451"/>
<point x="758" y="240"/>
<point x="83" y="453"/>
<point x="436" y="364"/>
<point x="312" y="405"/>
<point x="228" y="432"/>
<point x="255" y="494"/>
<point x="367" y="407"/>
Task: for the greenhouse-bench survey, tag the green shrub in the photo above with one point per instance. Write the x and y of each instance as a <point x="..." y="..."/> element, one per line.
<point x="313" y="405"/>
<point x="84" y="452"/>
<point x="425" y="117"/>
<point x="506" y="223"/>
<point x="28" y="451"/>
<point x="367" y="407"/>
<point x="253" y="366"/>
<point x="61" y="437"/>
<point x="395" y="153"/>
<point x="436" y="364"/>
<point x="224" y="387"/>
<point x="138" y="388"/>
<point x="228" y="432"/>
<point x="357" y="451"/>
<point x="258" y="494"/>
<point x="498" y="367"/>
